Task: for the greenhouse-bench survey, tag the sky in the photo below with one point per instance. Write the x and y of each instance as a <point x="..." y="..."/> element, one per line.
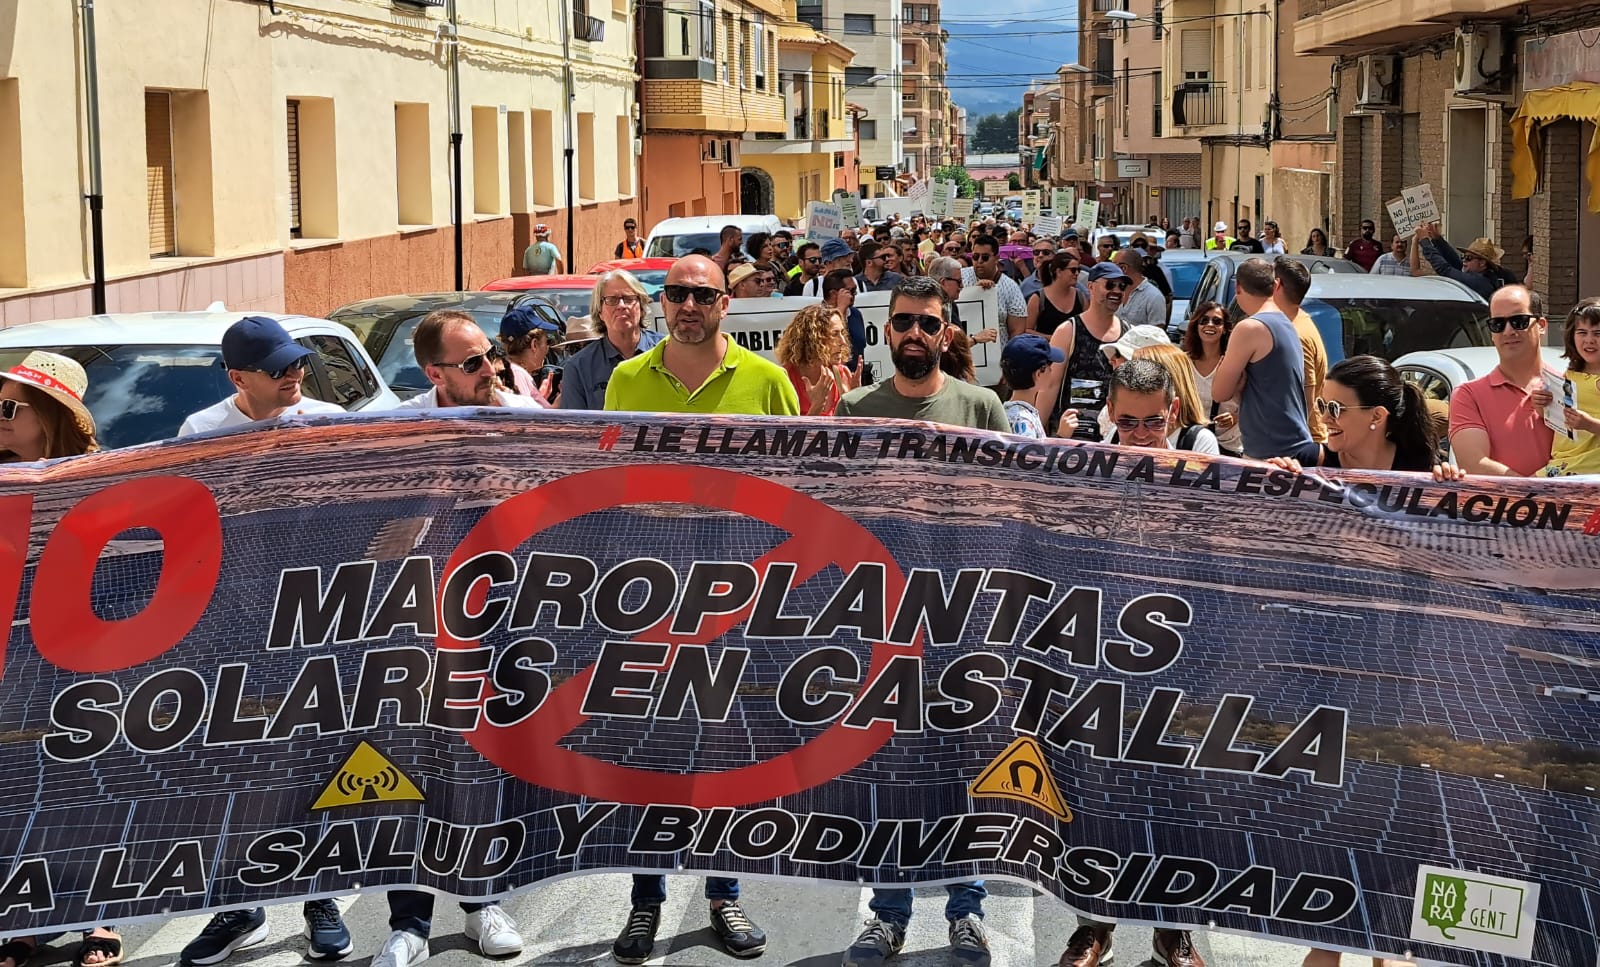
<point x="994" y="47"/>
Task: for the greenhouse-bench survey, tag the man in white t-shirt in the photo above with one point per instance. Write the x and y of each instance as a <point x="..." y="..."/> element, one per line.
<point x="461" y="363"/>
<point x="265" y="365"/>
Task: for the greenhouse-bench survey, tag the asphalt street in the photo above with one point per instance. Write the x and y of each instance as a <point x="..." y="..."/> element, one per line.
<point x="573" y="921"/>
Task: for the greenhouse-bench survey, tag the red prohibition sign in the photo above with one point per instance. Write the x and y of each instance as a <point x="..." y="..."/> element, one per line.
<point x="820" y="535"/>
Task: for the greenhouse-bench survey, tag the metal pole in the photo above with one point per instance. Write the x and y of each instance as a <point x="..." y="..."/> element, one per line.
<point x="96" y="196"/>
<point x="567" y="95"/>
<point x="455" y="140"/>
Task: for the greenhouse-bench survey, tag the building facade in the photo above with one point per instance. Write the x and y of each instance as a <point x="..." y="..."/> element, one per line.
<point x="300" y="158"/>
<point x="711" y="76"/>
<point x="815" y="154"/>
<point x="923" y="92"/>
<point x="1435" y="92"/>
<point x="873" y="81"/>
<point x="1154" y="171"/>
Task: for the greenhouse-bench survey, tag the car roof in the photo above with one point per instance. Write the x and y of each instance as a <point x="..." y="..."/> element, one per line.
<point x="1182" y="255"/>
<point x="1359" y="285"/>
<point x="1332" y="262"/>
<point x="150" y="328"/>
<point x="525" y="282"/>
<point x="1475" y="361"/>
<point x="711" y="223"/>
<point x="429" y="301"/>
<point x="630" y="264"/>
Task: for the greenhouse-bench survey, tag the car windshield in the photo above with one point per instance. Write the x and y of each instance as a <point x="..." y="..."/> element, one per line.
<point x="398" y="362"/>
<point x="142" y="393"/>
<point x="1391" y="327"/>
<point x="677" y="246"/>
<point x="1183" y="276"/>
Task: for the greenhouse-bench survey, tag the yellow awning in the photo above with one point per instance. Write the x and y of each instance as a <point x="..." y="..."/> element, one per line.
<point x="1578" y="102"/>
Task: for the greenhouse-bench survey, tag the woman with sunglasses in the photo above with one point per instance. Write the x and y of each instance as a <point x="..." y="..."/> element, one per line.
<point x="1580" y="454"/>
<point x="1317" y="244"/>
<point x="813" y="350"/>
<point x="1204" y="342"/>
<point x="1058" y="299"/>
<point x="526" y="337"/>
<point x="1191" y="411"/>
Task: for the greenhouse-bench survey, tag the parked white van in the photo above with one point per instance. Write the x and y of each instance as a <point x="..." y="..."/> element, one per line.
<point x="676" y="237"/>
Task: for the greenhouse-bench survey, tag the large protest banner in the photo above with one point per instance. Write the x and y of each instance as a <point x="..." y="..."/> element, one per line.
<point x="474" y="653"/>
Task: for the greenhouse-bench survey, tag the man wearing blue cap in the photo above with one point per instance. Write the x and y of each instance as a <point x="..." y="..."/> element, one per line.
<point x="265" y="365"/>
<point x="525" y="335"/>
<point x="1075" y="390"/>
<point x="1024" y="361"/>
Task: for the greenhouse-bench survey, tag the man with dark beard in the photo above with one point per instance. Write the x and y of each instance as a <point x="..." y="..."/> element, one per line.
<point x="918" y="331"/>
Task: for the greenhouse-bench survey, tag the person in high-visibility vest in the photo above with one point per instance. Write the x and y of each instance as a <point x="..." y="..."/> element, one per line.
<point x="1220" y="240"/>
<point x="632" y="246"/>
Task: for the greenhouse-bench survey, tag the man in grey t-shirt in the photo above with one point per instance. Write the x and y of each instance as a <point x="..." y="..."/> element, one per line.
<point x="1143" y="305"/>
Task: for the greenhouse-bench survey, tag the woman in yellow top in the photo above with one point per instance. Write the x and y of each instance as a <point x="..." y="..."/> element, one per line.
<point x="1580" y="455"/>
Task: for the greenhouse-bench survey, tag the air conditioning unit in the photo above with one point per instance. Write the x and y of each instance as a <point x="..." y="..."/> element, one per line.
<point x="1480" y="56"/>
<point x="730" y="154"/>
<point x="1377" y="82"/>
<point x="711" y="150"/>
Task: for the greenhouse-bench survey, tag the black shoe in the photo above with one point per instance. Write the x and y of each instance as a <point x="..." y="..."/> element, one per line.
<point x="326" y="936"/>
<point x="969" y="945"/>
<point x="738" y="933"/>
<point x="876" y="944"/>
<point x="638" y="936"/>
<point x="228" y="931"/>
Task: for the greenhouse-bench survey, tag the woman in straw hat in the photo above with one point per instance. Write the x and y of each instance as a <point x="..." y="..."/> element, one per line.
<point x="42" y="415"/>
<point x="1478" y="266"/>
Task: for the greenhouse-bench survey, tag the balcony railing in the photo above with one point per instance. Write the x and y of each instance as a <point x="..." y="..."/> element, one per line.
<point x="1104" y="6"/>
<point x="1199" y="102"/>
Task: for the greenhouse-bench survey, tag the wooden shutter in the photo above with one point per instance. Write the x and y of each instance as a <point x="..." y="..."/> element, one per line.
<point x="1196" y="54"/>
<point x="294" y="169"/>
<point x="158" y="173"/>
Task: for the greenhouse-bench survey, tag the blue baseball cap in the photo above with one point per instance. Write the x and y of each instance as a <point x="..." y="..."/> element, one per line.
<point x="1029" y="353"/>
<point x="1106" y="270"/>
<point x="835" y="248"/>
<point x="257" y="342"/>
<point x="521" y="320"/>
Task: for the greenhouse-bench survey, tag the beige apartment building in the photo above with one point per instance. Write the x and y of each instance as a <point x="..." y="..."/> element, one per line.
<point x="925" y="100"/>
<point x="296" y="155"/>
<point x="1436" y="92"/>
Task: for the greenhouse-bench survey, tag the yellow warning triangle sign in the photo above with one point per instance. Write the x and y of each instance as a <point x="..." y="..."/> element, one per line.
<point x="1020" y="773"/>
<point x="367" y="776"/>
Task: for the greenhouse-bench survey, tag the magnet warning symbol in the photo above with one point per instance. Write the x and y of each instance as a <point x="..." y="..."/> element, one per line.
<point x="1020" y="773"/>
<point x="367" y="776"/>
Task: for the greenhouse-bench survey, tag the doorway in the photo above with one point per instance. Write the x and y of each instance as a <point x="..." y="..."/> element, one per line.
<point x="755" y="192"/>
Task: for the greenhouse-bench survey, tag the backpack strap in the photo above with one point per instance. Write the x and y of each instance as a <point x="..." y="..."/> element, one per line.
<point x="1188" y="435"/>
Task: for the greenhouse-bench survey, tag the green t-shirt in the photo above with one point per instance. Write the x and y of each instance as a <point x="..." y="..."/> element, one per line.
<point x="744" y="383"/>
<point x="540" y="258"/>
<point x="959" y="404"/>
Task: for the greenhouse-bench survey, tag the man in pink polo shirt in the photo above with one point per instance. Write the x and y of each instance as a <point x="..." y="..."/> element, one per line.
<point x="1495" y="428"/>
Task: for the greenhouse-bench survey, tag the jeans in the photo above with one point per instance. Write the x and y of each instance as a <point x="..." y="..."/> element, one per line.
<point x="412" y="911"/>
<point x="651" y="891"/>
<point x="894" y="906"/>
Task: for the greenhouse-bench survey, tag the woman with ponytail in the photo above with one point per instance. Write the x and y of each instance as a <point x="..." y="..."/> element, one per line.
<point x="1378" y="421"/>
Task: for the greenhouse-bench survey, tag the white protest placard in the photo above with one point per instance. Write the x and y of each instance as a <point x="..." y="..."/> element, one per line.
<point x="849" y="203"/>
<point x="1030" y="205"/>
<point x="1063" y="201"/>
<point x="1562" y="395"/>
<point x="918" y="191"/>
<point x="1088" y="214"/>
<point x="995" y="188"/>
<point x="823" y="220"/>
<point x="1414" y="207"/>
<point x="939" y="203"/>
<point x="961" y="209"/>
<point x="1048" y="226"/>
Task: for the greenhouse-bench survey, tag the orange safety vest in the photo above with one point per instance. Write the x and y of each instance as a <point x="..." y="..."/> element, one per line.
<point x="635" y="251"/>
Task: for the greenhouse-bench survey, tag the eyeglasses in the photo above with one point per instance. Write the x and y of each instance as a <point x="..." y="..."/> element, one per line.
<point x="8" y="408"/>
<point x="1333" y="411"/>
<point x="1074" y="269"/>
<point x="704" y="295"/>
<point x="885" y="256"/>
<point x="473" y="363"/>
<point x="1117" y="285"/>
<point x="981" y="257"/>
<point x="299" y="364"/>
<point x="619" y="300"/>
<point x="1519" y="322"/>
<point x="1213" y="322"/>
<point x="1130" y="423"/>
<point x="1044" y="253"/>
<point x="903" y="321"/>
<point x="812" y="260"/>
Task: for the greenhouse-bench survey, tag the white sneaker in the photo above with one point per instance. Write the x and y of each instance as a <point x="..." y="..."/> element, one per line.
<point x="402" y="949"/>
<point x="495" y="932"/>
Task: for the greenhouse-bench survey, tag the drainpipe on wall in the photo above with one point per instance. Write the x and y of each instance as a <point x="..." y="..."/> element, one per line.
<point x="96" y="196"/>
<point x="567" y="94"/>
<point x="455" y="139"/>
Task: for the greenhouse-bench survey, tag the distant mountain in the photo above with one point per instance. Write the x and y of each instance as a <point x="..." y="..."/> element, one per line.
<point x="990" y="64"/>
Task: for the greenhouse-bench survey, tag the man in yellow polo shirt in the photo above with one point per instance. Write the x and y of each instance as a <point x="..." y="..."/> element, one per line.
<point x="697" y="369"/>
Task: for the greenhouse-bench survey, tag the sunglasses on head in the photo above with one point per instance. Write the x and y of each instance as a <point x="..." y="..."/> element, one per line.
<point x="1333" y="410"/>
<point x="8" y="408"/>
<point x="1130" y="423"/>
<point x="1519" y="322"/>
<point x="473" y="363"/>
<point x="903" y="321"/>
<point x="704" y="295"/>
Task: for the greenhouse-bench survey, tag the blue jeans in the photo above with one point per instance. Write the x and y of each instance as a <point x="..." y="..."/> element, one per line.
<point x="894" y="906"/>
<point x="412" y="911"/>
<point x="651" y="891"/>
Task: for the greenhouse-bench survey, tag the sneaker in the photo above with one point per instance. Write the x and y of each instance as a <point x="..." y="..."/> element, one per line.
<point x="228" y="931"/>
<point x="738" y="933"/>
<point x="494" y="931"/>
<point x="969" y="945"/>
<point x="402" y="949"/>
<point x="329" y="940"/>
<point x="1175" y="948"/>
<point x="1090" y="946"/>
<point x="880" y="941"/>
<point x="638" y="936"/>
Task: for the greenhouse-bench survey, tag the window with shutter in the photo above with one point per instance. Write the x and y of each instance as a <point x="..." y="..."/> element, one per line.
<point x="159" y="183"/>
<point x="294" y="169"/>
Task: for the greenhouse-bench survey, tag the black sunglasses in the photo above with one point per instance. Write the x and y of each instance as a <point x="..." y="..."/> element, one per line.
<point x="299" y="364"/>
<point x="1043" y="253"/>
<point x="980" y="257"/>
<point x="1117" y="285"/>
<point x="812" y="260"/>
<point x="703" y="294"/>
<point x="1519" y="322"/>
<point x="475" y="362"/>
<point x="903" y="321"/>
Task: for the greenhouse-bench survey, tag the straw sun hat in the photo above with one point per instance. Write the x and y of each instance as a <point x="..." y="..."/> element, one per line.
<point x="58" y="377"/>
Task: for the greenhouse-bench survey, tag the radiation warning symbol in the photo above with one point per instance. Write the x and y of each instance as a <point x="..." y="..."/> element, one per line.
<point x="367" y="776"/>
<point x="1020" y="773"/>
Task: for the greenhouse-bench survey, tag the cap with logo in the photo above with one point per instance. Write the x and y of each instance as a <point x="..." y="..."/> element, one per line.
<point x="260" y="343"/>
